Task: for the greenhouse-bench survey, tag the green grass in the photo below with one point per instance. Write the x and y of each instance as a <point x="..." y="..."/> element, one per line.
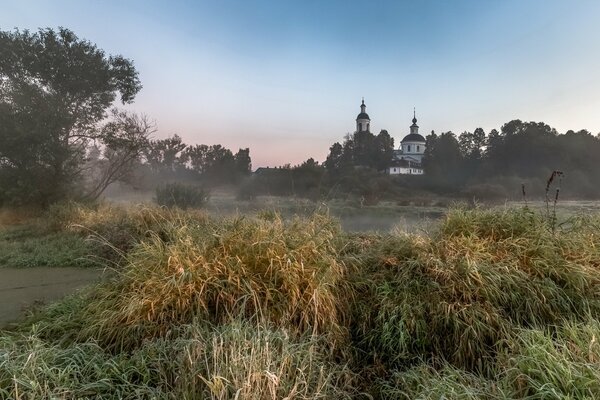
<point x="238" y="359"/>
<point x="25" y="246"/>
<point x="492" y="304"/>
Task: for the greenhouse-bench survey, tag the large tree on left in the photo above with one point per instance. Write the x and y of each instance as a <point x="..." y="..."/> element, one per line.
<point x="55" y="89"/>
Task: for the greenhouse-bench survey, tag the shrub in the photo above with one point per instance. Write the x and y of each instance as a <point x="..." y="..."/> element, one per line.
<point x="182" y="195"/>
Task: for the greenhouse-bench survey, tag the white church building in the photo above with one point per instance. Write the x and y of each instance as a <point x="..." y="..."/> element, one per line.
<point x="407" y="158"/>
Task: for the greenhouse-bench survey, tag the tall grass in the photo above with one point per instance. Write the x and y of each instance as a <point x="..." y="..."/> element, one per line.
<point x="491" y="305"/>
<point x="458" y="294"/>
<point x="238" y="360"/>
<point x="190" y="267"/>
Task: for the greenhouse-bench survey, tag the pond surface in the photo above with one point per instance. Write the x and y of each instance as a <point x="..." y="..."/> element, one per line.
<point x="21" y="288"/>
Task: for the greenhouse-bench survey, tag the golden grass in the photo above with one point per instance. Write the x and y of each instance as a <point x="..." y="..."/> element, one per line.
<point x="193" y="268"/>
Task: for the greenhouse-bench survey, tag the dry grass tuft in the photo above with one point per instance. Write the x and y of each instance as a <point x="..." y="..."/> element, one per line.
<point x="190" y="268"/>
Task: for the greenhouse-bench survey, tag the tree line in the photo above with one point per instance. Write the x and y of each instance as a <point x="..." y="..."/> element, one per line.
<point x="171" y="159"/>
<point x="477" y="165"/>
<point x="497" y="164"/>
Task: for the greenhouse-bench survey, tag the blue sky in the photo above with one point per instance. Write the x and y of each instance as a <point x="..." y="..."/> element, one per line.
<point x="285" y="78"/>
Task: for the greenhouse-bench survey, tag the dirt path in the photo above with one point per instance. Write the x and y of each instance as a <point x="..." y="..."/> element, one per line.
<point x="22" y="287"/>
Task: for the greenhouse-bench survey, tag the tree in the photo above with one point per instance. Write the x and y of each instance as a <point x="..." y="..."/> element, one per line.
<point x="385" y="150"/>
<point x="168" y="154"/>
<point x="243" y="162"/>
<point x="334" y="159"/>
<point x="126" y="138"/>
<point x="196" y="156"/>
<point x="443" y="161"/>
<point x="55" y="89"/>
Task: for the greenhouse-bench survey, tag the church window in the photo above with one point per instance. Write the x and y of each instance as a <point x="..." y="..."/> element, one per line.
<point x="360" y="126"/>
<point x="408" y="148"/>
<point x="418" y="148"/>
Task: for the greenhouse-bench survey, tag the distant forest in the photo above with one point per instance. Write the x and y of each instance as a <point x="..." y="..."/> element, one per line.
<point x="504" y="164"/>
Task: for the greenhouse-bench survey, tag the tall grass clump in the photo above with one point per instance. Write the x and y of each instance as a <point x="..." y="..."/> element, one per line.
<point x="424" y="381"/>
<point x="114" y="229"/>
<point x="459" y="294"/>
<point x="283" y="273"/>
<point x="559" y="363"/>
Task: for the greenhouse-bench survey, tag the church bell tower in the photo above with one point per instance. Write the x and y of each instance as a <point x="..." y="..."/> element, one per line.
<point x="363" y="122"/>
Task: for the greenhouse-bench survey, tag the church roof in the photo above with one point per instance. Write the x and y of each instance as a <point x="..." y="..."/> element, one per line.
<point x="413" y="137"/>
<point x="363" y="116"/>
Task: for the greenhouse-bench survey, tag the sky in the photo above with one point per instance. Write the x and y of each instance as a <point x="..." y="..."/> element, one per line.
<point x="285" y="78"/>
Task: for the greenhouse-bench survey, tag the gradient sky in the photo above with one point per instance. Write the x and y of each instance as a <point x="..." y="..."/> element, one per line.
<point x="285" y="78"/>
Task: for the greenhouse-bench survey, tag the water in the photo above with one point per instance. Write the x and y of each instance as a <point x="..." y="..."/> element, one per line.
<point x="20" y="288"/>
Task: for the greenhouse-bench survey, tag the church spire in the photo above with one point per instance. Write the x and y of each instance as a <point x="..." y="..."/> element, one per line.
<point x="363" y="122"/>
<point x="414" y="128"/>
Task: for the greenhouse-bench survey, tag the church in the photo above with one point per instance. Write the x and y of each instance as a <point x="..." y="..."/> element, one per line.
<point x="407" y="158"/>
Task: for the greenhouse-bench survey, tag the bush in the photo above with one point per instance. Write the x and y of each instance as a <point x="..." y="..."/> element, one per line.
<point x="182" y="195"/>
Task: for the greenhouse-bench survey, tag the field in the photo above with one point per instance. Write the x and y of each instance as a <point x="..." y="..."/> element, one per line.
<point x="290" y="300"/>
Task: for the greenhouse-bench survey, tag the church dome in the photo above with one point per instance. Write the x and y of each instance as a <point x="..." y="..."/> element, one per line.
<point x="363" y="115"/>
<point x="413" y="137"/>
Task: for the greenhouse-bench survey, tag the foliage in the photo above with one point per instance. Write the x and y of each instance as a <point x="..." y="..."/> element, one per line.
<point x="182" y="195"/>
<point x="474" y="165"/>
<point x="303" y="180"/>
<point x="173" y="160"/>
<point x="361" y="149"/>
<point x="54" y="91"/>
<point x="459" y="294"/>
<point x="125" y="139"/>
<point x="273" y="272"/>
